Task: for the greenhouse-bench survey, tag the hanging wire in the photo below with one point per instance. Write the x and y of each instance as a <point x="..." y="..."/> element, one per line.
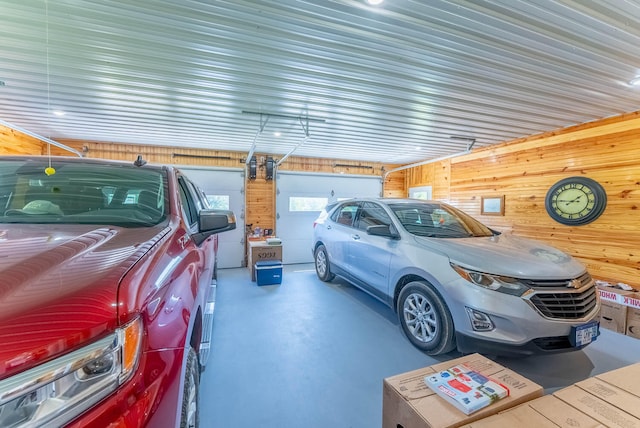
<point x="49" y="170"/>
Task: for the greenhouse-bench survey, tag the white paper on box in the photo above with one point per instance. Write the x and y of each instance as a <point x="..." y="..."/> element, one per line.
<point x="466" y="389"/>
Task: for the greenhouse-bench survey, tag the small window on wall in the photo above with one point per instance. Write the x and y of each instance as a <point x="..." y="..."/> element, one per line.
<point x="422" y="192"/>
<point x="303" y="204"/>
<point x="219" y="202"/>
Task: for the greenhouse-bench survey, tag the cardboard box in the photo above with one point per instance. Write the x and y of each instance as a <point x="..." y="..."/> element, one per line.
<point x="613" y="313"/>
<point x="611" y="398"/>
<point x="633" y="315"/>
<point x="268" y="272"/>
<point x="408" y="402"/>
<point x="626" y="378"/>
<point x="261" y="251"/>
<point x="543" y="412"/>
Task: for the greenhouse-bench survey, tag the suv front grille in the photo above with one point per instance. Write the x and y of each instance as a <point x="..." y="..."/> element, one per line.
<point x="583" y="280"/>
<point x="562" y="302"/>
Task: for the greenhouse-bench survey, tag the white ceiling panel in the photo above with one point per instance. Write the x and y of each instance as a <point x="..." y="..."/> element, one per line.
<point x="402" y="82"/>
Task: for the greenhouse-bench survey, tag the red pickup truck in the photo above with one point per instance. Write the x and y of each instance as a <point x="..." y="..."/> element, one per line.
<point x="106" y="292"/>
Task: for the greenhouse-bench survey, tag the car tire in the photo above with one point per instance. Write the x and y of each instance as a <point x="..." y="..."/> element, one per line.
<point x="323" y="269"/>
<point x="425" y="319"/>
<point x="190" y="412"/>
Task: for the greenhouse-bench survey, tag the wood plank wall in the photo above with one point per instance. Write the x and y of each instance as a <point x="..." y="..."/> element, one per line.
<point x="523" y="170"/>
<point x="16" y="143"/>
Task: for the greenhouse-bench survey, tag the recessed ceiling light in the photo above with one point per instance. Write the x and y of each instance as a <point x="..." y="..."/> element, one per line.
<point x="418" y="148"/>
<point x="276" y="134"/>
<point x="635" y="81"/>
<point x="374" y="2"/>
<point x="59" y="113"/>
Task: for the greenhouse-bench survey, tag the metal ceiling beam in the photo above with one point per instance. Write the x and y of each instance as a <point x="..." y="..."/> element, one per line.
<point x="255" y="139"/>
<point x="305" y="128"/>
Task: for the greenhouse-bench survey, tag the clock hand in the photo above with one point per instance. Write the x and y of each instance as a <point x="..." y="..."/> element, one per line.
<point x="571" y="201"/>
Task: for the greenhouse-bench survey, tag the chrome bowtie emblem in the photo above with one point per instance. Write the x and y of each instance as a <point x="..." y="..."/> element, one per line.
<point x="574" y="283"/>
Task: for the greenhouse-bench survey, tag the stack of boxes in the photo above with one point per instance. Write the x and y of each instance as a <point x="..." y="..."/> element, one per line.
<point x="620" y="310"/>
<point x="610" y="399"/>
<point x="265" y="261"/>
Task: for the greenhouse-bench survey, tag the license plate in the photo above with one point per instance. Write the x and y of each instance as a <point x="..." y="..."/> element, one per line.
<point x="584" y="334"/>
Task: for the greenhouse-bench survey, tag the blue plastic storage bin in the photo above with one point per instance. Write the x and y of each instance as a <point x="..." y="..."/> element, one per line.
<point x="268" y="272"/>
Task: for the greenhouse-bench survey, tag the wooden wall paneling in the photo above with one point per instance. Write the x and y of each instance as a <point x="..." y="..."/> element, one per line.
<point x="260" y="203"/>
<point x="394" y="185"/>
<point x="333" y="166"/>
<point x="158" y="155"/>
<point x="436" y="174"/>
<point x="13" y="142"/>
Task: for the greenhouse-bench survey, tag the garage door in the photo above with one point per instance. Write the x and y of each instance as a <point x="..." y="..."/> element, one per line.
<point x="225" y="189"/>
<point x="300" y="198"/>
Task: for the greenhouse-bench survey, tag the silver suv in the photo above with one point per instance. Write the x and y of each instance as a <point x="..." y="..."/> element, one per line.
<point x="455" y="282"/>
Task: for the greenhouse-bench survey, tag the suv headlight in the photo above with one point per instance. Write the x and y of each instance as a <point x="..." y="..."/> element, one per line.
<point x="56" y="392"/>
<point x="503" y="284"/>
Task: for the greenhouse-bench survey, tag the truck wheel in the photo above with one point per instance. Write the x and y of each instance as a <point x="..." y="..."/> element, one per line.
<point x="323" y="270"/>
<point x="425" y="319"/>
<point x="190" y="414"/>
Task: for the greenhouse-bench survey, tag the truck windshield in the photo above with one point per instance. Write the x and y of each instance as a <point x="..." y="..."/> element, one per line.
<point x="81" y="192"/>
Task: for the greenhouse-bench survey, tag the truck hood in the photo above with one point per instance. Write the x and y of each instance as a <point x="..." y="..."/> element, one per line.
<point x="59" y="287"/>
<point x="507" y="255"/>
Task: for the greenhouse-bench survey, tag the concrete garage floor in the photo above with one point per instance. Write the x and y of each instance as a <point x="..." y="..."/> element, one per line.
<point x="311" y="354"/>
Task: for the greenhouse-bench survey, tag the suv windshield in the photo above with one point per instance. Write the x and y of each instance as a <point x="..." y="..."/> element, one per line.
<point x="81" y="192"/>
<point x="438" y="220"/>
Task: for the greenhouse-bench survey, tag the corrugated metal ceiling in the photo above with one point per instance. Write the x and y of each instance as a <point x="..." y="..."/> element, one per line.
<point x="399" y="83"/>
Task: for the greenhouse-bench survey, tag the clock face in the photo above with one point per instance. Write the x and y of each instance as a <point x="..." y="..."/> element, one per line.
<point x="575" y="201"/>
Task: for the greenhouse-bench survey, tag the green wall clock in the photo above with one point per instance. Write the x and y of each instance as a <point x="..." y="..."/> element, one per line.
<point x="575" y="201"/>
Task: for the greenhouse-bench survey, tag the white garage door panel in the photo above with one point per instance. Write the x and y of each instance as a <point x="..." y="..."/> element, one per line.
<point x="295" y="229"/>
<point x="231" y="183"/>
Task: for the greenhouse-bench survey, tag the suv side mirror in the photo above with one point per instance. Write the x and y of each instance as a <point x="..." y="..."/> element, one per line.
<point x="212" y="221"/>
<point x="382" y="230"/>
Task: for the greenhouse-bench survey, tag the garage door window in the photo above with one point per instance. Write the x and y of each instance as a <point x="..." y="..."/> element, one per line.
<point x="303" y="204"/>
<point x="219" y="202"/>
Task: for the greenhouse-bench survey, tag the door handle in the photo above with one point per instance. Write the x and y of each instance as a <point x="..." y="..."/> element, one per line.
<point x="355" y="237"/>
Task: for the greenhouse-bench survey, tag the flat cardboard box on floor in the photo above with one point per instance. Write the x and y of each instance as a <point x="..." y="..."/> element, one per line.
<point x="611" y="398"/>
<point x="407" y="402"/>
<point x="543" y="412"/>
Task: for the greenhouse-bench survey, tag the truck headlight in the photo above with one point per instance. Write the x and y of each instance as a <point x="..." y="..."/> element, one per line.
<point x="503" y="284"/>
<point x="56" y="392"/>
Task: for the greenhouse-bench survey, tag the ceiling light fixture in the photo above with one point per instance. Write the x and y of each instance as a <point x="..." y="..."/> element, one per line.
<point x="374" y="2"/>
<point x="276" y="134"/>
<point x="59" y="113"/>
<point x="635" y="81"/>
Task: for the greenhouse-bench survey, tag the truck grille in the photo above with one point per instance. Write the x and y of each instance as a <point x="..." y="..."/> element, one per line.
<point x="558" y="299"/>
